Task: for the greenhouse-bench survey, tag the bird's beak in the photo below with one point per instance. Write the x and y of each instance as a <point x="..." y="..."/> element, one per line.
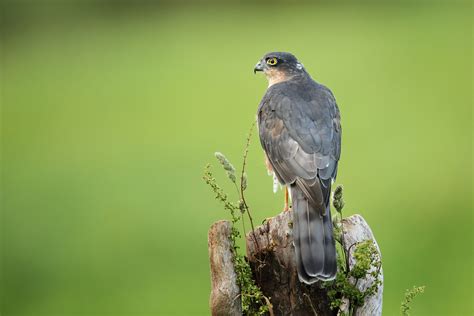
<point x="258" y="67"/>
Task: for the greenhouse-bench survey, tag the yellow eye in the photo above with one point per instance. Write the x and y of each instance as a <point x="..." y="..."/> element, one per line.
<point x="272" y="61"/>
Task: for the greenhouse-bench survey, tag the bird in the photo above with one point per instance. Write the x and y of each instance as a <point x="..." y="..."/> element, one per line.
<point x="299" y="127"/>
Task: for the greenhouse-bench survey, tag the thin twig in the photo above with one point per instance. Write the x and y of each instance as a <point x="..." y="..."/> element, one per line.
<point x="244" y="164"/>
<point x="269" y="305"/>
<point x="237" y="189"/>
<point x="346" y="256"/>
<point x="310" y="303"/>
<point x="349" y="253"/>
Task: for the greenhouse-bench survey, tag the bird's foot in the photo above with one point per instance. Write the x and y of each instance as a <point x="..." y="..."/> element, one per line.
<point x="286" y="207"/>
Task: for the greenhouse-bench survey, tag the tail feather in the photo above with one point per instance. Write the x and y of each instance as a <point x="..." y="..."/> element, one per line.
<point x="314" y="241"/>
<point x="330" y="261"/>
<point x="302" y="275"/>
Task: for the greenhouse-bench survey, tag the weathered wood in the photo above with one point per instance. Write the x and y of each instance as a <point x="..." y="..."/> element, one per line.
<point x="225" y="294"/>
<point x="274" y="267"/>
<point x="357" y="230"/>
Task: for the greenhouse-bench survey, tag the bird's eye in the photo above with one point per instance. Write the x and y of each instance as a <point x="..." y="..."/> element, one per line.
<point x="272" y="61"/>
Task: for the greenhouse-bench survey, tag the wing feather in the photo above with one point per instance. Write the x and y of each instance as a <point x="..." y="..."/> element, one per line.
<point x="300" y="131"/>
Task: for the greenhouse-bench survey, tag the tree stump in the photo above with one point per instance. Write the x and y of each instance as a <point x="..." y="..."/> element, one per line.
<point x="270" y="253"/>
<point x="225" y="294"/>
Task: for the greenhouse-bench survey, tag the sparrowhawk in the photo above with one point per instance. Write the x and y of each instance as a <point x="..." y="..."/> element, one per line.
<point x="300" y="132"/>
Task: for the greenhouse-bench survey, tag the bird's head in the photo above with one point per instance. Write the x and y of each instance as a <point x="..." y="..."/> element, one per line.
<point x="279" y="67"/>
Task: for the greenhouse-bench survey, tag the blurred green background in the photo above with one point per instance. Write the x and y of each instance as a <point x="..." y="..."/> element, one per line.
<point x="110" y="112"/>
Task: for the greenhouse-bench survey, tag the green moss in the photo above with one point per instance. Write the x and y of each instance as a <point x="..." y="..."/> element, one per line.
<point x="367" y="263"/>
<point x="345" y="283"/>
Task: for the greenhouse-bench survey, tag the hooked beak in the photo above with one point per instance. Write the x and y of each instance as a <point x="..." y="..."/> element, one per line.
<point x="258" y="67"/>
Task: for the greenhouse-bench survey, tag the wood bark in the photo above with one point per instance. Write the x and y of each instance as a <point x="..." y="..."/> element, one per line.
<point x="357" y="230"/>
<point x="270" y="252"/>
<point x="225" y="294"/>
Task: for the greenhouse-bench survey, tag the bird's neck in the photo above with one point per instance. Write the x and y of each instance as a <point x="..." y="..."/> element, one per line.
<point x="277" y="77"/>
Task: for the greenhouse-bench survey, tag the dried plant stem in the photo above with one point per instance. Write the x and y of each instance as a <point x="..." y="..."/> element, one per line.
<point x="242" y="175"/>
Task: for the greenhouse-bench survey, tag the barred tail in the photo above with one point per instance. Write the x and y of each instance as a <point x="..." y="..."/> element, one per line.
<point x="314" y="242"/>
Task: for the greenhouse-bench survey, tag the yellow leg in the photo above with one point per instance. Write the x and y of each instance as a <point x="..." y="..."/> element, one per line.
<point x="286" y="208"/>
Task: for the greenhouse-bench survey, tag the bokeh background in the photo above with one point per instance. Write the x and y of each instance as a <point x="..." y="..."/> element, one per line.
<point x="110" y="111"/>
